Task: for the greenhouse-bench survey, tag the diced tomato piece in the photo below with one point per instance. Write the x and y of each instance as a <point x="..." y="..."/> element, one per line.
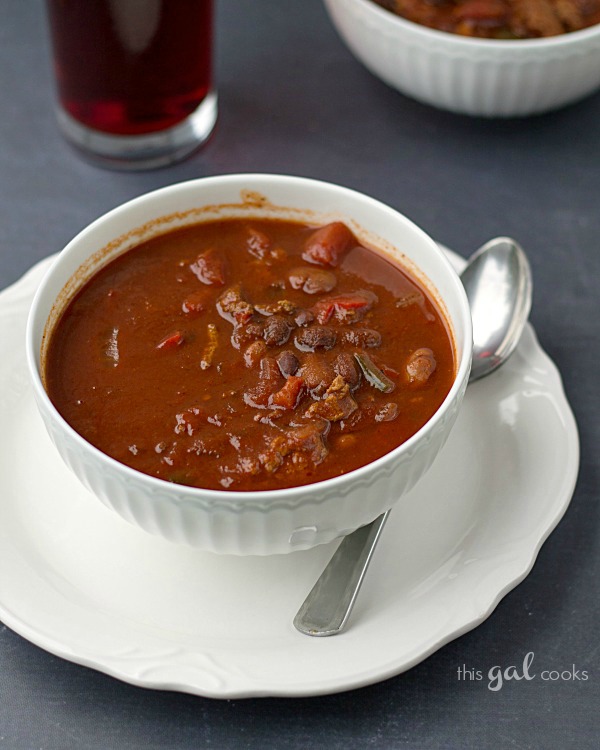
<point x="291" y="393"/>
<point x="345" y="308"/>
<point x="209" y="267"/>
<point x="194" y="303"/>
<point x="258" y="243"/>
<point x="243" y="316"/>
<point x="324" y="310"/>
<point x="326" y="245"/>
<point x="172" y="341"/>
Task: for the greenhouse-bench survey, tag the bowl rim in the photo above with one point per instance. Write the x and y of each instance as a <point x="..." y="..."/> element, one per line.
<point x="235" y="497"/>
<point x="568" y="39"/>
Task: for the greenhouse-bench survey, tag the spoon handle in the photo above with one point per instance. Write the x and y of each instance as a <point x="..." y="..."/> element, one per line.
<point x="330" y="601"/>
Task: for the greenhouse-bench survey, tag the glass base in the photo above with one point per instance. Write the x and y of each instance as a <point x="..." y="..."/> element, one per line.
<point x="138" y="152"/>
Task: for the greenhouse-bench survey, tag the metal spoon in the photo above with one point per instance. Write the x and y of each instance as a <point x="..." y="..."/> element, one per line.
<point x="497" y="280"/>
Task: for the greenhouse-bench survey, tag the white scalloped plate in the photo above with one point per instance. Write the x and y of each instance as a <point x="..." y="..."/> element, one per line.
<point x="82" y="583"/>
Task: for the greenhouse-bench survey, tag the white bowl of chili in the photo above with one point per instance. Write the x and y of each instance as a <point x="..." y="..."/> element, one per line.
<point x="288" y="457"/>
<point x="468" y="75"/>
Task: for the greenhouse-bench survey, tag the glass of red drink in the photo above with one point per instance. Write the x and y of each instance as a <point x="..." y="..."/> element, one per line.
<point x="134" y="78"/>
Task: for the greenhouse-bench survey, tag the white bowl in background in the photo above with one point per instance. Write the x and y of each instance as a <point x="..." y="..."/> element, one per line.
<point x="483" y="77"/>
<point x="250" y="522"/>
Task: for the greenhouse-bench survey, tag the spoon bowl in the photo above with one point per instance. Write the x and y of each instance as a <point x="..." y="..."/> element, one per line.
<point x="497" y="280"/>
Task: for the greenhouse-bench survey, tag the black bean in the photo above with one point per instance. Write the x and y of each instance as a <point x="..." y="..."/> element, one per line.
<point x="303" y="317"/>
<point x="365" y="338"/>
<point x="317" y="373"/>
<point x="387" y="413"/>
<point x="276" y="330"/>
<point x="312" y="280"/>
<point x="288" y="363"/>
<point x="315" y="337"/>
<point x="244" y="334"/>
<point x="420" y="366"/>
<point x="345" y="365"/>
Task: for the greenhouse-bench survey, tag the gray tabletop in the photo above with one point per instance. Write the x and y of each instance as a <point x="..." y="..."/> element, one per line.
<point x="293" y="100"/>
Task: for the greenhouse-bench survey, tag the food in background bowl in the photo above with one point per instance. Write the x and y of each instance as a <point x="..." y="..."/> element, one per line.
<point x="499" y="19"/>
<point x="249" y="354"/>
<point x="467" y="74"/>
<point x="268" y="214"/>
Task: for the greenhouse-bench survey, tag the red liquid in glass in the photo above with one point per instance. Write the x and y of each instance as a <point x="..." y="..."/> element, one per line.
<point x="130" y="67"/>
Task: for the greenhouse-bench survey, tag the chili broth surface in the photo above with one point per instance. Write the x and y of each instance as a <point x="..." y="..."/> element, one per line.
<point x="249" y="355"/>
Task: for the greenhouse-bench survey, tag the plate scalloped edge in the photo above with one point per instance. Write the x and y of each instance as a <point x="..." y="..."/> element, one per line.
<point x="17" y="299"/>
